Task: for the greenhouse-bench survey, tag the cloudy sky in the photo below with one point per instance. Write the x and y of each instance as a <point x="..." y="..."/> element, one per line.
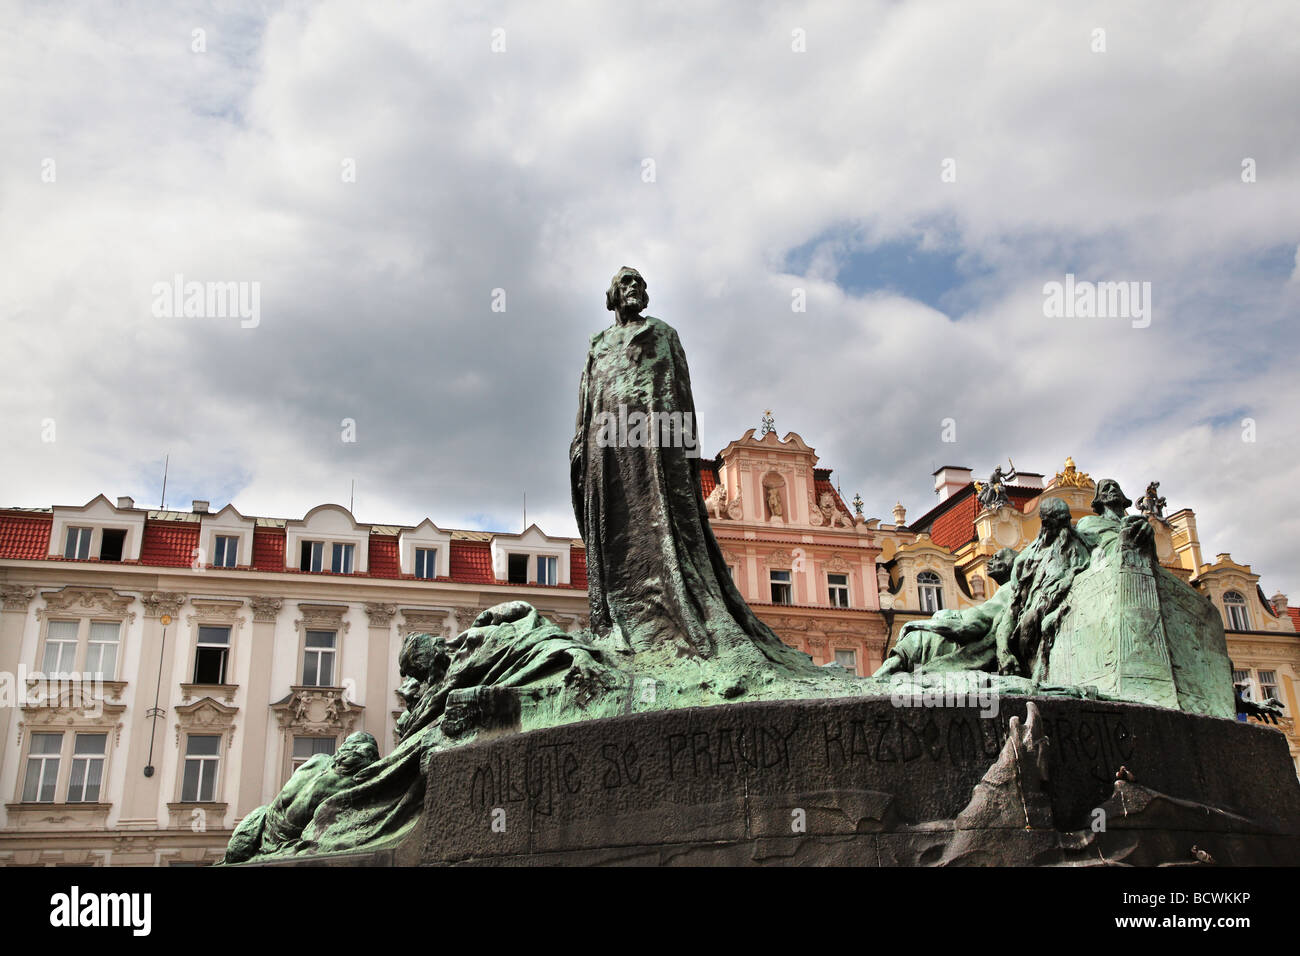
<point x="920" y="170"/>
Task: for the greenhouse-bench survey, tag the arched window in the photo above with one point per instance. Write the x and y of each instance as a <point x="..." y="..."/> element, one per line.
<point x="1235" y="606"/>
<point x="930" y="590"/>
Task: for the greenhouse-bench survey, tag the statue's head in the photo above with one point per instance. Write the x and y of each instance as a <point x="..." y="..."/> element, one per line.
<point x="1054" y="514"/>
<point x="424" y="657"/>
<point x="360" y="750"/>
<point x="999" y="565"/>
<point x="1109" y="495"/>
<point x="627" y="292"/>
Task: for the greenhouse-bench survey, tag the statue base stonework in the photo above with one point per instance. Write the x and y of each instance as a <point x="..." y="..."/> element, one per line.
<point x="861" y="781"/>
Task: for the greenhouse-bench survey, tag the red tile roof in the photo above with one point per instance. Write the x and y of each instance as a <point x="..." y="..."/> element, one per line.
<point x="708" y="476"/>
<point x="952" y="522"/>
<point x="471" y="562"/>
<point x="578" y="567"/>
<point x="1295" y="616"/>
<point x="169" y="544"/>
<point x="383" y="561"/>
<point x="268" y="549"/>
<point x="822" y="484"/>
<point x="23" y="537"/>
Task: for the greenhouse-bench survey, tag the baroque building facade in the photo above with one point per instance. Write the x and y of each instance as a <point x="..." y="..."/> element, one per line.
<point x="229" y="648"/>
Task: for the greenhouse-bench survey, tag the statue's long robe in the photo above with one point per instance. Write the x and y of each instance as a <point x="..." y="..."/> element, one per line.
<point x="656" y="577"/>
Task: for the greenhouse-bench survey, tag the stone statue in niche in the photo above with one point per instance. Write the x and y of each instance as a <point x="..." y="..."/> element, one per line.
<point x="774" y="502"/>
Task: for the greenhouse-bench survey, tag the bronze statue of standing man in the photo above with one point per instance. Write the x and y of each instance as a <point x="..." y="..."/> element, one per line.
<point x="656" y="577"/>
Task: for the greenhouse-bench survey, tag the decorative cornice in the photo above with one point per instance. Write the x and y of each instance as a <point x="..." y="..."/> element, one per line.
<point x="205" y="716"/>
<point x="322" y="615"/>
<point x="319" y="711"/>
<point x="223" y="612"/>
<point x="425" y="622"/>
<point x="87" y="601"/>
<point x="780" y="558"/>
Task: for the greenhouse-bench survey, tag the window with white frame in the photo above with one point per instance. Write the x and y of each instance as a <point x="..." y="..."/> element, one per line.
<point x="87" y="768"/>
<point x="304" y="748"/>
<point x="202" y="764"/>
<point x="1235" y="606"/>
<point x="77" y="543"/>
<point x="838" y="586"/>
<point x="930" y="591"/>
<point x="318" y="658"/>
<point x="312" y="556"/>
<point x="42" y="768"/>
<point x="780" y="581"/>
<point x="547" y="570"/>
<point x="211" y="654"/>
<point x="848" y="660"/>
<point x="112" y="541"/>
<point x="101" y="652"/>
<point x="60" y="647"/>
<point x="1267" y="684"/>
<point x="426" y="562"/>
<point x="1242" y="681"/>
<point x="342" y="558"/>
<point x="225" y="551"/>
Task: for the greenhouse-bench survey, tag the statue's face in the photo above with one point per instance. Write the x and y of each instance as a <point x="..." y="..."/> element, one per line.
<point x="631" y="292"/>
<point x="1055" y="514"/>
<point x="1109" y="492"/>
<point x="359" y="750"/>
<point x="999" y="565"/>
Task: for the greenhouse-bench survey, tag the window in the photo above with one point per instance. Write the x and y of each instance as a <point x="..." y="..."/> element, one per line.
<point x="426" y="562"/>
<point x="731" y="569"/>
<point x="517" y="569"/>
<point x="87" y="768"/>
<point x="210" y="655"/>
<point x="342" y="563"/>
<point x="318" y="659"/>
<point x="225" y="551"/>
<point x="60" y="648"/>
<point x="111" y="543"/>
<point x="1235" y="605"/>
<point x="312" y="554"/>
<point x="304" y="748"/>
<point x="848" y="660"/>
<point x="202" y="761"/>
<point x="930" y="591"/>
<point x="780" y="587"/>
<point x="101" y="655"/>
<point x="78" y="543"/>
<point x="546" y="570"/>
<point x="1267" y="684"/>
<point x="42" y="768"/>
<point x="839" y="589"/>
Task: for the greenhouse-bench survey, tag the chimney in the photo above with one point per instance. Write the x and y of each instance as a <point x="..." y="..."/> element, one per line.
<point x="900" y="515"/>
<point x="950" y="479"/>
<point x="200" y="506"/>
<point x="125" y="503"/>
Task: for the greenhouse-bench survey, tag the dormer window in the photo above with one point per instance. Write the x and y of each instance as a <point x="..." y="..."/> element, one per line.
<point x="1235" y="607"/>
<point x="930" y="591"/>
<point x="77" y="544"/>
<point x="547" y="570"/>
<point x="111" y="542"/>
<point x="342" y="563"/>
<point x="517" y="569"/>
<point x="225" y="551"/>
<point x="426" y="563"/>
<point x="313" y="552"/>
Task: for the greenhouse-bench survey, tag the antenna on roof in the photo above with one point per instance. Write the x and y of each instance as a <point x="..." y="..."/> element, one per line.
<point x="525" y="510"/>
<point x="162" y="505"/>
<point x="352" y="498"/>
